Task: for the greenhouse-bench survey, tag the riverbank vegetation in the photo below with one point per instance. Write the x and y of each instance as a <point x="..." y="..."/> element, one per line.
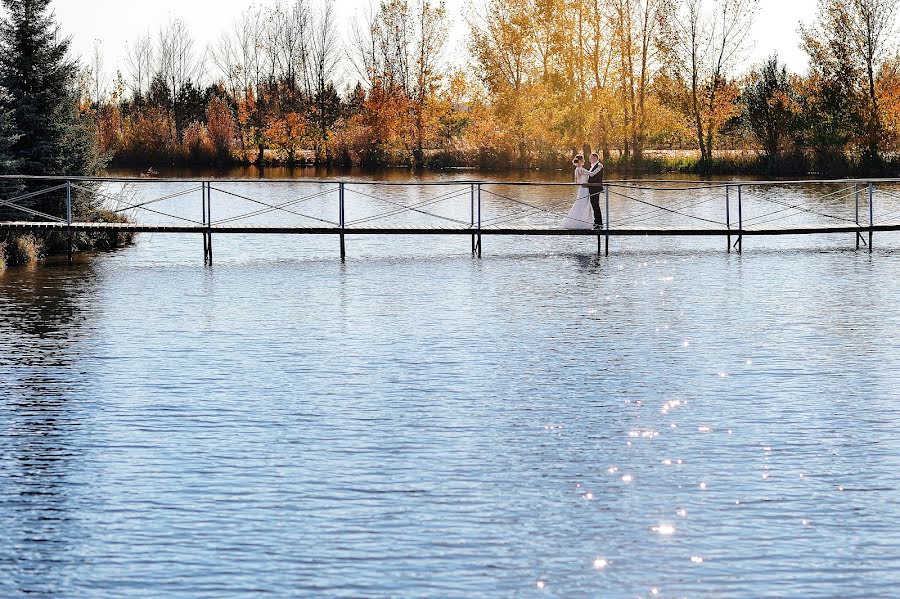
<point x="44" y="130"/>
<point x="653" y="84"/>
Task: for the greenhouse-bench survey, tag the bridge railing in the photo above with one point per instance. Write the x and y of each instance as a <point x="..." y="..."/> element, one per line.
<point x="733" y="209"/>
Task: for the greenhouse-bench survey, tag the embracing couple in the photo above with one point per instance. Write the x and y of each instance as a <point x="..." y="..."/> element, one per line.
<point x="585" y="213"/>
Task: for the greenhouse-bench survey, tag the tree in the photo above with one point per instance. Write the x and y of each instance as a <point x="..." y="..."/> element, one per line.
<point x="321" y="70"/>
<point x="9" y="163"/>
<point x="889" y="101"/>
<point x="179" y="67"/>
<point x="704" y="41"/>
<point x="98" y="74"/>
<point x="636" y="26"/>
<point x="861" y="32"/>
<point x="40" y="80"/>
<point x="399" y="50"/>
<point x="831" y="102"/>
<point x="771" y="108"/>
<point x="139" y="60"/>
<point x="502" y="43"/>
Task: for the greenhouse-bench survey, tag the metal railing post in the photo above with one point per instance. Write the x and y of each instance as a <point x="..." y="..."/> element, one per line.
<point x="341" y="221"/>
<point x="856" y="196"/>
<point x="209" y="246"/>
<point x="740" y="221"/>
<point x="69" y="216"/>
<point x="472" y="210"/>
<point x="871" y="212"/>
<point x="479" y="221"/>
<point x="607" y="220"/>
<point x="203" y="230"/>
<point x="728" y="214"/>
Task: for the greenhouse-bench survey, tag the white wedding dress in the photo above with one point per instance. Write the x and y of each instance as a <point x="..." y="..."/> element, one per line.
<point x="581" y="216"/>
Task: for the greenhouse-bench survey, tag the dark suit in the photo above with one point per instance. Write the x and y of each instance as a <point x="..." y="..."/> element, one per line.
<point x="595" y="187"/>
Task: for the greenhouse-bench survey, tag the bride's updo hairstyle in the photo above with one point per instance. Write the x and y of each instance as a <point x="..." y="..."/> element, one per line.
<point x="579" y="158"/>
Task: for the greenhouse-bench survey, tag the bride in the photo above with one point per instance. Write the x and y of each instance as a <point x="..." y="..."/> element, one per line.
<point x="581" y="216"/>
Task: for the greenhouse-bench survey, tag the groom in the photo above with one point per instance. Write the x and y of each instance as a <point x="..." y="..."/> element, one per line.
<point x="595" y="187"/>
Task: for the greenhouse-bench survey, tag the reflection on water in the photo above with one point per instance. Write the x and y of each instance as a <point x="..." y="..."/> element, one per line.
<point x="672" y="421"/>
<point x="41" y="323"/>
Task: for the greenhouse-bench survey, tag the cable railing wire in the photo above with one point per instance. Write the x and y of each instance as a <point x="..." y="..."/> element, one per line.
<point x="411" y="208"/>
<point x="162" y="199"/>
<point x="807" y="210"/>
<point x="272" y="207"/>
<point x="663" y="208"/>
<point x="14" y="203"/>
<point x="645" y="216"/>
<point x="131" y="206"/>
<point x="826" y="205"/>
<point x="796" y="207"/>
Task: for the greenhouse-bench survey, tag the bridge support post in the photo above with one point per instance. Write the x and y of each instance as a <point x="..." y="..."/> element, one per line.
<point x="204" y="232"/>
<point x="607" y="222"/>
<point x="478" y="244"/>
<point x="69" y="217"/>
<point x="341" y="221"/>
<point x="740" y="241"/>
<point x="871" y="213"/>
<point x="856" y="197"/>
<point x="472" y="212"/>
<point x="209" y="246"/>
<point x="728" y="214"/>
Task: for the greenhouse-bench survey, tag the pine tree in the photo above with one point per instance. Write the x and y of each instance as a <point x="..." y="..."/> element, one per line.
<point x="9" y="165"/>
<point x="39" y="79"/>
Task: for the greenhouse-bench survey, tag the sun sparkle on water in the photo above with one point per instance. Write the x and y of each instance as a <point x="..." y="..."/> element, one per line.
<point x="664" y="529"/>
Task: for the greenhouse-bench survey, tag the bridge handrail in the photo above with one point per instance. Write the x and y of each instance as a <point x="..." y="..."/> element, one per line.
<point x="624" y="183"/>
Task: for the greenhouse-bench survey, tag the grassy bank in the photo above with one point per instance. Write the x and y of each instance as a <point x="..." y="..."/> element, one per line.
<point x="19" y="249"/>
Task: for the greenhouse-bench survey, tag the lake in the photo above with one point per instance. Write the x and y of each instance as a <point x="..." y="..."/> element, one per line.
<point x="673" y="420"/>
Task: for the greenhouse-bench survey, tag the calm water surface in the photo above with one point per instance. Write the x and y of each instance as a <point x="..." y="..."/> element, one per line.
<point x="672" y="421"/>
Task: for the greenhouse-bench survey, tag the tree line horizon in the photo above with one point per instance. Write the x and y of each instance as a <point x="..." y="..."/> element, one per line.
<point x="650" y="84"/>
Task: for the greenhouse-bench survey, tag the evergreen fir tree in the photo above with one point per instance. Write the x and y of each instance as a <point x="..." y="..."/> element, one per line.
<point x="9" y="164"/>
<point x="39" y="80"/>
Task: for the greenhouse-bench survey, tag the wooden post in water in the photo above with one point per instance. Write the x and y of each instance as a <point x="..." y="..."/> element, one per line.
<point x="856" y="196"/>
<point x="341" y="221"/>
<point x="871" y="212"/>
<point x="69" y="216"/>
<point x="728" y="214"/>
<point x="479" y="220"/>
<point x="607" y="220"/>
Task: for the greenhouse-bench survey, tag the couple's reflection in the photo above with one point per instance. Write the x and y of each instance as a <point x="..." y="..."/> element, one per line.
<point x="43" y="312"/>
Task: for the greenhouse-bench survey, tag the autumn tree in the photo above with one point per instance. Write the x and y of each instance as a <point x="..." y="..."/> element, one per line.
<point x="705" y="40"/>
<point x="636" y="24"/>
<point x="503" y="46"/>
<point x="771" y="108"/>
<point x="239" y="57"/>
<point x="178" y="67"/>
<point x="888" y="87"/>
<point x="398" y="54"/>
<point x="860" y="33"/>
<point x="321" y="68"/>
<point x="220" y="125"/>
